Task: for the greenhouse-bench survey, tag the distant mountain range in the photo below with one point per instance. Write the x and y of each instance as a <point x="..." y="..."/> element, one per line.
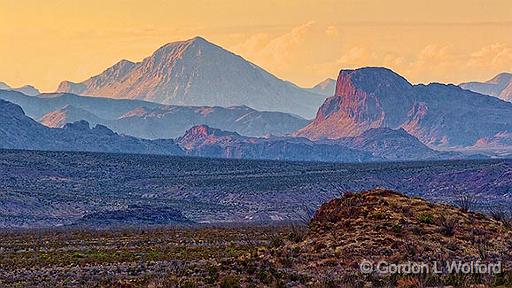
<point x="379" y="144"/>
<point x="198" y="73"/>
<point x="500" y="86"/>
<point x="150" y="120"/>
<point x="437" y="114"/>
<point x="27" y="89"/>
<point x="18" y="131"/>
<point x="173" y="121"/>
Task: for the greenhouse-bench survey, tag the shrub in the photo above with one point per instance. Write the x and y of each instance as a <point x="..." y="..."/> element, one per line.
<point x="230" y="282"/>
<point x="466" y="202"/>
<point x="447" y="225"/>
<point x="188" y="284"/>
<point x="396" y="227"/>
<point x="425" y="218"/>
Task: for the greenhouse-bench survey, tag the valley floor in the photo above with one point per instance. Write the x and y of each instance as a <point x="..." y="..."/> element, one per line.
<point x="165" y="257"/>
<point x="49" y="189"/>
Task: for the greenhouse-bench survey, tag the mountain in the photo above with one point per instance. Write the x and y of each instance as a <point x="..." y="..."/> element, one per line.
<point x="27" y="89"/>
<point x="150" y="120"/>
<point x="436" y="114"/>
<point x="500" y="86"/>
<point x="104" y="108"/>
<point x="17" y="131"/>
<point x="380" y="144"/>
<point x="326" y="87"/>
<point x="174" y="121"/>
<point x="198" y="73"/>
<point x="204" y="141"/>
<point x="4" y="86"/>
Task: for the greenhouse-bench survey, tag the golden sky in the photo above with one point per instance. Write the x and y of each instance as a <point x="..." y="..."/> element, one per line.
<point x="304" y="41"/>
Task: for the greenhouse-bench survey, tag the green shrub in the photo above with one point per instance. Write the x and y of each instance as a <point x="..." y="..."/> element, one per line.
<point x="230" y="282"/>
<point x="425" y="218"/>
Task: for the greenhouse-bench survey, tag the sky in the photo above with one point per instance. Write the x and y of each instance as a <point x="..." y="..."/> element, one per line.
<point x="303" y="41"/>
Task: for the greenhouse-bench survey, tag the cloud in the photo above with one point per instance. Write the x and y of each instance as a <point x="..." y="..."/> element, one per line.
<point x="360" y="56"/>
<point x="494" y="56"/>
<point x="310" y="46"/>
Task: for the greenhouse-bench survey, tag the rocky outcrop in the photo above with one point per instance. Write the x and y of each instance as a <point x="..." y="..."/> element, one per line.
<point x="380" y="144"/>
<point x="437" y="114"/>
<point x="198" y="73"/>
<point x="500" y="86"/>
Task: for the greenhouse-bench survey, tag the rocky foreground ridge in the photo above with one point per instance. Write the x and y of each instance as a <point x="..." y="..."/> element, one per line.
<point x="384" y="225"/>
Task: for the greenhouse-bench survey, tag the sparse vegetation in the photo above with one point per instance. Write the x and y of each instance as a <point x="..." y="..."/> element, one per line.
<point x="324" y="255"/>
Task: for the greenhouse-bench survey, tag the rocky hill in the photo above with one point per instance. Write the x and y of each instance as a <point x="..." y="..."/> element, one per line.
<point x="436" y="114"/>
<point x="196" y="72"/>
<point x="385" y="226"/>
<point x="499" y="86"/>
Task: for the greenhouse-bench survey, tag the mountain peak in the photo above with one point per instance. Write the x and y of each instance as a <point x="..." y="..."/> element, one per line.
<point x="325" y="87"/>
<point x="196" y="72"/>
<point x="4" y="86"/>
<point x="501" y="78"/>
<point x="368" y="79"/>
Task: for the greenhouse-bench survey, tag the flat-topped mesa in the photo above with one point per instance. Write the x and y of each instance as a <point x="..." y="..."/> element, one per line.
<point x="364" y="98"/>
<point x="437" y="114"/>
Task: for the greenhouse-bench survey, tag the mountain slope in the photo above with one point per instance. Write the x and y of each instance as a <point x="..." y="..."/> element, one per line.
<point x="436" y="114"/>
<point x="500" y="86"/>
<point x="17" y="131"/>
<point x="69" y="114"/>
<point x="198" y="73"/>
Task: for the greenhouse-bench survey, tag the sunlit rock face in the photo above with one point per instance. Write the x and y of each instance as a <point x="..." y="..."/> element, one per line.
<point x="437" y="114"/>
